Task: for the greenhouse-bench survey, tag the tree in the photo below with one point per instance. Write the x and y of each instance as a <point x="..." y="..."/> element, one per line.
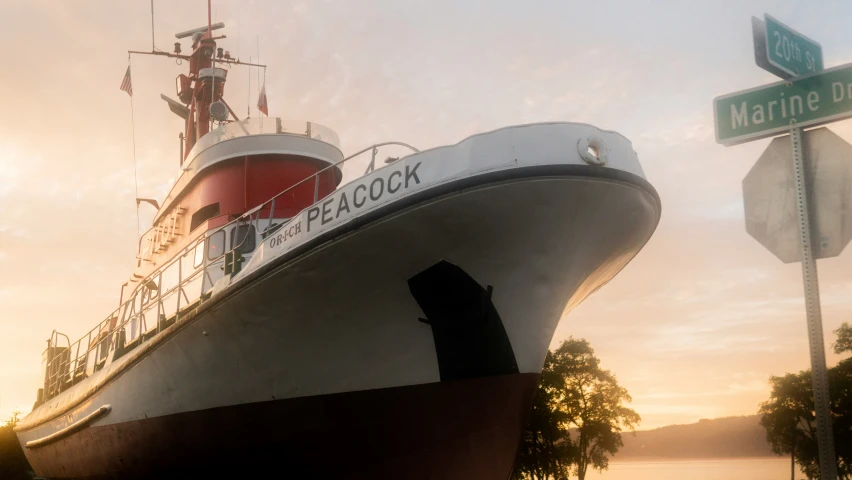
<point x="593" y="404"/>
<point x="574" y="395"/>
<point x="844" y="339"/>
<point x="545" y="448"/>
<point x="13" y="463"/>
<point x="790" y="421"/>
<point x="788" y="415"/>
<point x="13" y="420"/>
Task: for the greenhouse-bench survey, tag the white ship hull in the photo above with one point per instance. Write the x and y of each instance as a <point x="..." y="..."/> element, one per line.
<point x="399" y="339"/>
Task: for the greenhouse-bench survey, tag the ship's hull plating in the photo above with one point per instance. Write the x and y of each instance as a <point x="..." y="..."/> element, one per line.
<point x="352" y="358"/>
<point x="459" y="430"/>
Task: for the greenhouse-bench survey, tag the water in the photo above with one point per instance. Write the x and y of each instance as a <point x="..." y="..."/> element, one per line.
<point x="770" y="468"/>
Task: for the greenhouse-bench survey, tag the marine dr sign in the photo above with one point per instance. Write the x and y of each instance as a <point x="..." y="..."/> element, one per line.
<point x="775" y="108"/>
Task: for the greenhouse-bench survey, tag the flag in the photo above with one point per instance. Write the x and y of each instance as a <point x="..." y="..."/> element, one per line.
<point x="125" y="84"/>
<point x="261" y="101"/>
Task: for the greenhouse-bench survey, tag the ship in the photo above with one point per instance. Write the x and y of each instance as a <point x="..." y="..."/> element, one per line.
<point x="283" y="322"/>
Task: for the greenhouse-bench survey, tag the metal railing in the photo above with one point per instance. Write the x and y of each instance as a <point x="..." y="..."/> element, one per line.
<point x="148" y="311"/>
<point x="150" y="308"/>
<point x="264" y="126"/>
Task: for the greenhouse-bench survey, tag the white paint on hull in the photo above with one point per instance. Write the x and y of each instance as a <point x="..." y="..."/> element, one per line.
<point x="340" y="317"/>
<point x="502" y="150"/>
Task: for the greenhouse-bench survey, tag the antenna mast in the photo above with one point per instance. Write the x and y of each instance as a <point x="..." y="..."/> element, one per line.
<point x="205" y="83"/>
<point x="153" y="47"/>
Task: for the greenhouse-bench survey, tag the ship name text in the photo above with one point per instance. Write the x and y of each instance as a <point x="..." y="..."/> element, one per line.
<point x="285" y="234"/>
<point x="374" y="190"/>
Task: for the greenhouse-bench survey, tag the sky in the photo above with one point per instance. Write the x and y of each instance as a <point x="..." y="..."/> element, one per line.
<point x="693" y="327"/>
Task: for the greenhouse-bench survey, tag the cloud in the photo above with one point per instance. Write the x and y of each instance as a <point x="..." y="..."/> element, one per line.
<point x="10" y="170"/>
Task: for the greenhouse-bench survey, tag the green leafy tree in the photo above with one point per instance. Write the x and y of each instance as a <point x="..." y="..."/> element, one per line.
<point x="789" y="419"/>
<point x="13" y="420"/>
<point x="545" y="451"/>
<point x="844" y="339"/>
<point x="594" y="405"/>
<point x="577" y="417"/>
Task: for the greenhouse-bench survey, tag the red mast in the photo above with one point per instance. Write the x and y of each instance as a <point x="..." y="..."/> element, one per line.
<point x="204" y="87"/>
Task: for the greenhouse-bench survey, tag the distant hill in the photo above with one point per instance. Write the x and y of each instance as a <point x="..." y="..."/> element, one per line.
<point x="716" y="438"/>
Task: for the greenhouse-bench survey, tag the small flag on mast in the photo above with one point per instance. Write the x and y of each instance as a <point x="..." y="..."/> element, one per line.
<point x="261" y="101"/>
<point x="125" y="84"/>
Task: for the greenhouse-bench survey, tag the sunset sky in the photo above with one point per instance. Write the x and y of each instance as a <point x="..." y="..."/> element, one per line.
<point x="693" y="327"/>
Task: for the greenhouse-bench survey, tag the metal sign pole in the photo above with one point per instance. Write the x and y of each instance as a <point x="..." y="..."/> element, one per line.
<point x="819" y="375"/>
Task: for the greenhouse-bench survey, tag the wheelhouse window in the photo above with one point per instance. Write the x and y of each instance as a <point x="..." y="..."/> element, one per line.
<point x="170" y="278"/>
<point x="243" y="235"/>
<point x="199" y="255"/>
<point x="216" y="245"/>
<point x="203" y="214"/>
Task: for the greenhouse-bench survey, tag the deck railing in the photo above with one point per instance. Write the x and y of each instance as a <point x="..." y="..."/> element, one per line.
<point x="150" y="309"/>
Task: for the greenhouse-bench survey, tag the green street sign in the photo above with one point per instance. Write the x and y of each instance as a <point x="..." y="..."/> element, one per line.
<point x="791" y="51"/>
<point x="775" y="108"/>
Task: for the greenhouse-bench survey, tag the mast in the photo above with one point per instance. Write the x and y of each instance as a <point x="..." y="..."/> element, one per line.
<point x="204" y="85"/>
<point x="202" y="89"/>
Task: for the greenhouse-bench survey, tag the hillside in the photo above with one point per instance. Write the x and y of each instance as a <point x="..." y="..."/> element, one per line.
<point x="720" y="437"/>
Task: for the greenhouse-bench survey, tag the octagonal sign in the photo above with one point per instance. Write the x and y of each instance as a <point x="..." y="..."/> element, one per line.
<point x="770" y="197"/>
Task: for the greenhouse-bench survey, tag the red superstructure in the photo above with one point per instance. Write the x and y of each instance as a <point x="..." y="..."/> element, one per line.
<point x="229" y="165"/>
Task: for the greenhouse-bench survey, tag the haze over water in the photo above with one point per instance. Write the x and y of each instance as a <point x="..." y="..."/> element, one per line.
<point x="770" y="468"/>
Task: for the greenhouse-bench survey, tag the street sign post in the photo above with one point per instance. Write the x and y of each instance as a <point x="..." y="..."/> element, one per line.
<point x="813" y="312"/>
<point x="814" y="99"/>
<point x="765" y="111"/>
<point x="791" y="51"/>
